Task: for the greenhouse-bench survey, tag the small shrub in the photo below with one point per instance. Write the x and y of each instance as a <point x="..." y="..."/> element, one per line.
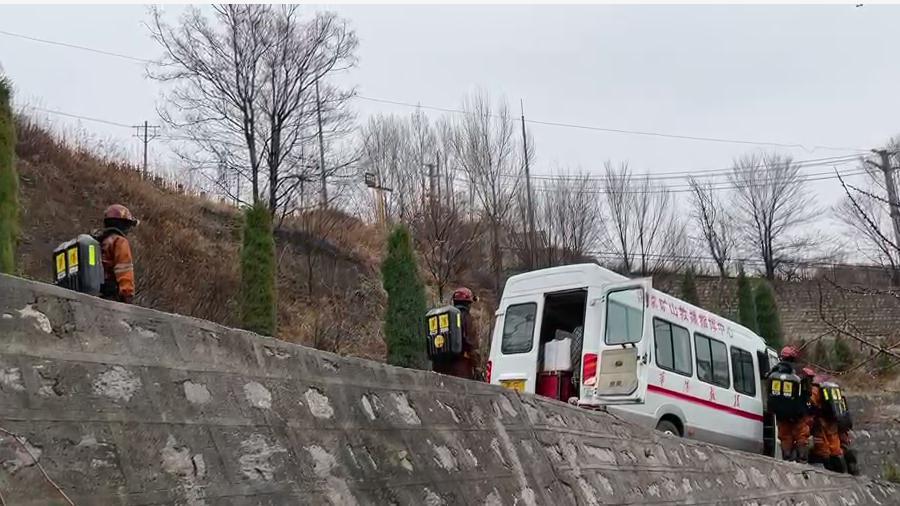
<point x="818" y="355"/>
<point x="841" y="355"/>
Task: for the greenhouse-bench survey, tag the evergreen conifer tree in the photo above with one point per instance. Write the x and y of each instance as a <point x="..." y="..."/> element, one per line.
<point x="405" y="312"/>
<point x="9" y="182"/>
<point x="258" y="296"/>
<point x="767" y="319"/>
<point x="746" y="302"/>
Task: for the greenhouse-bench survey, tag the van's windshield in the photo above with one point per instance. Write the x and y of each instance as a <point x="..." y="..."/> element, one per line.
<point x="625" y="316"/>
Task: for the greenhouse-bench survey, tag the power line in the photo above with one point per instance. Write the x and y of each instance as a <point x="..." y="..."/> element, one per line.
<point x="822" y="176"/>
<point x="78" y="116"/>
<point x="74" y="46"/>
<point x="459" y="111"/>
<point x="619" y="130"/>
<point x="745" y="260"/>
<point x="701" y="173"/>
<point x="548" y="178"/>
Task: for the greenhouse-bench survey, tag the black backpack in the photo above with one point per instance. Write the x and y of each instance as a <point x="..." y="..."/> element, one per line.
<point x="787" y="397"/>
<point x="444" y="340"/>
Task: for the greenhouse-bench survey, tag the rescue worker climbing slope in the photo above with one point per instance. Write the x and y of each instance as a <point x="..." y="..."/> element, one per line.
<point x="845" y="426"/>
<point x="793" y="425"/>
<point x="827" y="406"/>
<point x="118" y="262"/>
<point x="465" y="364"/>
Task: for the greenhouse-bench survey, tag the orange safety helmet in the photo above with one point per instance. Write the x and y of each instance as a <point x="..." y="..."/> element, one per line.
<point x="789" y="352"/>
<point x="463" y="294"/>
<point x="119" y="212"/>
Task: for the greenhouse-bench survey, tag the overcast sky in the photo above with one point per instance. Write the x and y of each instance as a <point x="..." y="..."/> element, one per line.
<point x="809" y="75"/>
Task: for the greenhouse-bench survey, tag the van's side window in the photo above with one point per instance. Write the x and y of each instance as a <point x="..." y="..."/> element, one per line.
<point x="712" y="361"/>
<point x="742" y="370"/>
<point x="518" y="328"/>
<point x="673" y="347"/>
<point x="625" y="316"/>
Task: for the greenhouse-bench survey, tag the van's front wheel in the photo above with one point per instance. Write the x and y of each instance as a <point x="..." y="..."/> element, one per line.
<point x="667" y="427"/>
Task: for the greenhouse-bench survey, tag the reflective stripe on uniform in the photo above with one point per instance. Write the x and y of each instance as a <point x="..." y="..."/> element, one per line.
<point x="120" y="268"/>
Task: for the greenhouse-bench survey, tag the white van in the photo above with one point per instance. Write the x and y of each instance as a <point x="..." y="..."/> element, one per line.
<point x="636" y="352"/>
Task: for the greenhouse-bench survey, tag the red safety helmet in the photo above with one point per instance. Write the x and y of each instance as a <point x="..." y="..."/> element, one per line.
<point x="120" y="212"/>
<point x="789" y="352"/>
<point x="463" y="294"/>
<point x="808" y="371"/>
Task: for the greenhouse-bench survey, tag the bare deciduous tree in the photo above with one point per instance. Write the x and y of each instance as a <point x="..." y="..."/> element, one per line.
<point x="772" y="205"/>
<point x="644" y="229"/>
<point x="484" y="147"/>
<point x="569" y="219"/>
<point x="447" y="242"/>
<point x="715" y="223"/>
<point x="243" y="92"/>
<point x="385" y="142"/>
<point x="619" y="201"/>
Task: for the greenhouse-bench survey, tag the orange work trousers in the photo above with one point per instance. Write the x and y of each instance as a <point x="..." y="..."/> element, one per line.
<point x="826" y="440"/>
<point x="793" y="434"/>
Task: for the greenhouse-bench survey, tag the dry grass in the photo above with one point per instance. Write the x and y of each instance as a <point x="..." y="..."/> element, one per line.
<point x="186" y="248"/>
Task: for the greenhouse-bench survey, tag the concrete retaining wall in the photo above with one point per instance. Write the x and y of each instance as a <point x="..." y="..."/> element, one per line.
<point x="876" y="432"/>
<point x="124" y="405"/>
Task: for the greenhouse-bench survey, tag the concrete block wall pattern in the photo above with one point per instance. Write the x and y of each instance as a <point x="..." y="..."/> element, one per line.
<point x="123" y="405"/>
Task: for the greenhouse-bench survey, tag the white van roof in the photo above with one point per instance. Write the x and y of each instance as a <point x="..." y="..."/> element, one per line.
<point x="561" y="278"/>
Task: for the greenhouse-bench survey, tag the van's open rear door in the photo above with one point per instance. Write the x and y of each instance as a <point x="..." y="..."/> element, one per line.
<point x="624" y="344"/>
<point x="514" y="365"/>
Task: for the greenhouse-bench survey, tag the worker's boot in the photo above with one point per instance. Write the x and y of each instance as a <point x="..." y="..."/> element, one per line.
<point x="786" y="454"/>
<point x="836" y="464"/>
<point x="852" y="463"/>
<point x="814" y="458"/>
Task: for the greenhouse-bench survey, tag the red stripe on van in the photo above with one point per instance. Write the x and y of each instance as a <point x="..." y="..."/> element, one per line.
<point x="703" y="402"/>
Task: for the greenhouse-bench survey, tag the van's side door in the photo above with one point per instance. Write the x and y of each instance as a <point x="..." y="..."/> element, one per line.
<point x="624" y="349"/>
<point x="514" y="350"/>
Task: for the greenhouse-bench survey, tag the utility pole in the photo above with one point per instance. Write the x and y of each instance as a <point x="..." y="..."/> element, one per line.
<point x="437" y="175"/>
<point x="431" y="181"/>
<point x="143" y="133"/>
<point x="324" y="189"/>
<point x="374" y="181"/>
<point x="530" y="227"/>
<point x="891" y="187"/>
<point x="893" y="205"/>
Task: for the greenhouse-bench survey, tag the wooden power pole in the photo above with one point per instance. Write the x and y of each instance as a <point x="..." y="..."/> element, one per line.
<point x="324" y="188"/>
<point x="530" y="228"/>
<point x="145" y="135"/>
<point x="891" y="187"/>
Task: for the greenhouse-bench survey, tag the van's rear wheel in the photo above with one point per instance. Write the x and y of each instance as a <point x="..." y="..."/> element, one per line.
<point x="667" y="427"/>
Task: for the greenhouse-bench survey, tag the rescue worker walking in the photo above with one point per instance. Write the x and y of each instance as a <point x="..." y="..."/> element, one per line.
<point x="464" y="365"/>
<point x="793" y="422"/>
<point x="827" y="407"/>
<point x="118" y="263"/>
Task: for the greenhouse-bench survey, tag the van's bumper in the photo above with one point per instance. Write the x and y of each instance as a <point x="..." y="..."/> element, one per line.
<point x="602" y="402"/>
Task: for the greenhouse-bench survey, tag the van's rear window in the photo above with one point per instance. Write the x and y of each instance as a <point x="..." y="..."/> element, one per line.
<point x="518" y="328"/>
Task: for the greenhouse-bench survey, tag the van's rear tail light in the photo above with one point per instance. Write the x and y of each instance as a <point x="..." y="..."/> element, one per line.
<point x="487" y="371"/>
<point x="589" y="368"/>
